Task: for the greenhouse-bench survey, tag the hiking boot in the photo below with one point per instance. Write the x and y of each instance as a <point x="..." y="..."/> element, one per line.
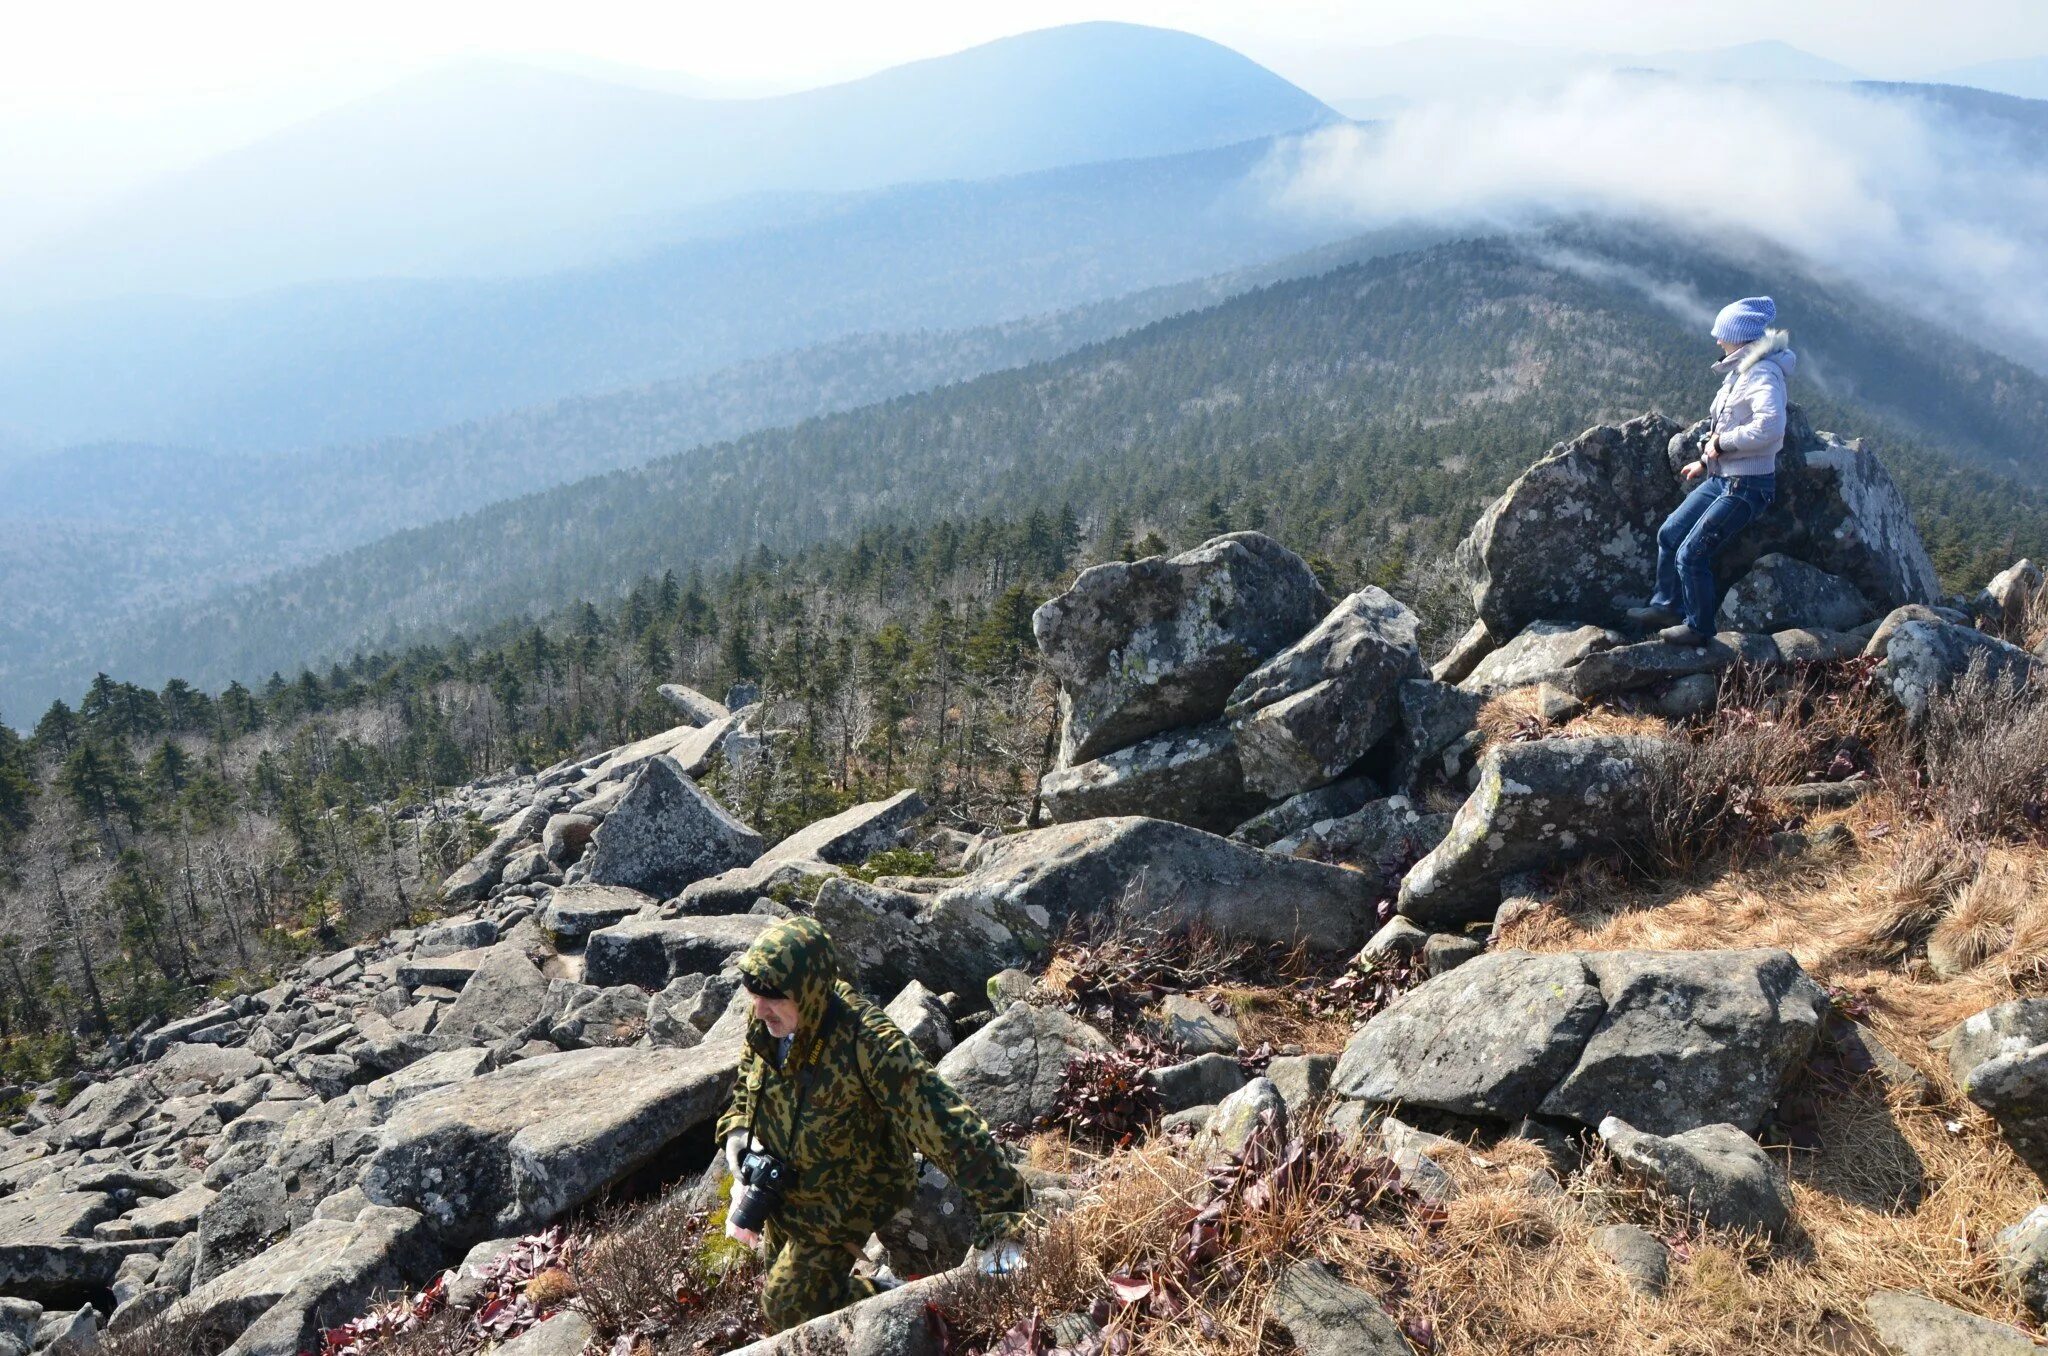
<point x="1681" y="634"/>
<point x="1652" y="617"/>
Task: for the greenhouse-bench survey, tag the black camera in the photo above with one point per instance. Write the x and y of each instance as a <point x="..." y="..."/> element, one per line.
<point x="764" y="1177"/>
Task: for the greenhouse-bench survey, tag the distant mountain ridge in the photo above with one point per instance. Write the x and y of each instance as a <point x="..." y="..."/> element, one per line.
<point x="489" y="168"/>
<point x="344" y="361"/>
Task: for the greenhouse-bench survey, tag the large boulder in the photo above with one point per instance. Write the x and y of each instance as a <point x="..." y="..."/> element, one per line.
<point x="504" y="999"/>
<point x="1190" y="776"/>
<point x="1717" y="1172"/>
<point x="1010" y="1070"/>
<point x="1297" y="813"/>
<point x="649" y="952"/>
<point x="694" y="707"/>
<point x="1780" y="593"/>
<point x="817" y="850"/>
<point x="1542" y="652"/>
<point x="513" y="1150"/>
<point x="1666" y="1040"/>
<point x="1925" y="658"/>
<point x="1153" y="644"/>
<point x="1385" y="834"/>
<point x="887" y="939"/>
<point x="321" y="1275"/>
<point x="1139" y="866"/>
<point x="1313" y="710"/>
<point x="666" y="833"/>
<point x="1575" y="535"/>
<point x="576" y="911"/>
<point x="1537" y="804"/>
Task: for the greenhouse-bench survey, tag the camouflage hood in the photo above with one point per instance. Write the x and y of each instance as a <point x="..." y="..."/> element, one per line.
<point x="794" y="957"/>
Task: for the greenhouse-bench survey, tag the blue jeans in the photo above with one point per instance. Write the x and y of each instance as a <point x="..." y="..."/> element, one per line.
<point x="1697" y="530"/>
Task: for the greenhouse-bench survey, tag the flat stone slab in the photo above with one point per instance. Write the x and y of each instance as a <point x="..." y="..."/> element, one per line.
<point x="649" y="952"/>
<point x="513" y="1150"/>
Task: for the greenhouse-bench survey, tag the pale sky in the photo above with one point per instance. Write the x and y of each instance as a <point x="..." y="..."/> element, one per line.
<point x="94" y="93"/>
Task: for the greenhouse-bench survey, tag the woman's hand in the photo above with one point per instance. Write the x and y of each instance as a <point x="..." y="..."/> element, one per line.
<point x="1692" y="469"/>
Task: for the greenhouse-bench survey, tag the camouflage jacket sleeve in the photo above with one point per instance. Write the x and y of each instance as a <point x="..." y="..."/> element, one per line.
<point x="947" y="1131"/>
<point x="736" y="1115"/>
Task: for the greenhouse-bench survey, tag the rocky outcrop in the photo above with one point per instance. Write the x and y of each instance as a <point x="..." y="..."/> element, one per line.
<point x="1999" y="1058"/>
<point x="1541" y="652"/>
<point x="1315" y="708"/>
<point x="1146" y="646"/>
<point x="1537" y="804"/>
<point x="1668" y="1041"/>
<point x="817" y="850"/>
<point x="1190" y="776"/>
<point x="666" y="833"/>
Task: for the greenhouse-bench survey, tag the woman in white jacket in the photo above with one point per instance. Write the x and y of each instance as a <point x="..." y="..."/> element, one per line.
<point x="1739" y="460"/>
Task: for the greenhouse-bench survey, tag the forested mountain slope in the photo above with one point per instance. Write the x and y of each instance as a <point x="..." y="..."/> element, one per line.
<point x="1364" y="413"/>
<point x="91" y="536"/>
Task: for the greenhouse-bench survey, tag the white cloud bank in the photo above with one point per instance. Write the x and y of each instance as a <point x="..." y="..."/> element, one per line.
<point x="1943" y="213"/>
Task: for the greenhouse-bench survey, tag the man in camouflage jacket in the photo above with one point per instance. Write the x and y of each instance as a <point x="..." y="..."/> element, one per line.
<point x="843" y="1099"/>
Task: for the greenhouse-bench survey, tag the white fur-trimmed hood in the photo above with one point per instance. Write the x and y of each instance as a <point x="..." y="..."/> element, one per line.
<point x="1775" y="344"/>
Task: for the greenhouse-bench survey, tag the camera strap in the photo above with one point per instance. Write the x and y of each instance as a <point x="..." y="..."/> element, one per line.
<point x="808" y="1076"/>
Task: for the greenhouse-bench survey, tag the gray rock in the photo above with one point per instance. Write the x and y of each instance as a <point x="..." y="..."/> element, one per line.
<point x="1394" y="830"/>
<point x="1537" y="804"/>
<point x="1326" y="1317"/>
<point x="1190" y="1025"/>
<point x="920" y="1015"/>
<point x="448" y="938"/>
<point x="565" y="1334"/>
<point x="854" y="835"/>
<point x="1816" y="647"/>
<point x="1237" y="1117"/>
<point x="1464" y="655"/>
<point x="505" y="999"/>
<point x="1914" y="1325"/>
<point x="472" y="880"/>
<point x="170" y="1216"/>
<point x="1434" y="717"/>
<point x="893" y="1323"/>
<point x="1639" y="1255"/>
<point x="528" y="866"/>
<point x="566" y="836"/>
<point x="1576" y="534"/>
<point x="665" y="833"/>
<point x="576" y="911"/>
<point x="1298" y="813"/>
<point x="1780" y="593"/>
<point x="104" y="1111"/>
<point x="615" y="1016"/>
<point x="18" y="1318"/>
<point x="1302" y="1081"/>
<point x="1415" y="1153"/>
<point x="1149" y="645"/>
<point x="1446" y="951"/>
<point x="2005" y="600"/>
<point x="1629" y="668"/>
<point x="934" y="1230"/>
<point x="691" y="747"/>
<point x="1396" y="938"/>
<point x="949" y="943"/>
<point x="694" y="707"/>
<point x="649" y="952"/>
<point x="508" y="1152"/>
<point x="1010" y="1070"/>
<point x="1490" y="1039"/>
<point x="1692" y="695"/>
<point x="1541" y="652"/>
<point x="1146" y="867"/>
<point x="2004" y="1029"/>
<point x="1202" y="1081"/>
<point x="1671" y="1040"/>
<point x="68" y="1334"/>
<point x="2022" y="1254"/>
<point x="1925" y="658"/>
<point x="1312" y="710"/>
<point x="240" y="1222"/>
<point x="2013" y="1088"/>
<point x="1717" y="1172"/>
<point x="1190" y="776"/>
<point x="1690" y="1037"/>
<point x="321" y="1275"/>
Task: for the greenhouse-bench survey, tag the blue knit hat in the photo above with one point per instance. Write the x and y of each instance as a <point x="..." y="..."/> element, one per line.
<point x="1743" y="322"/>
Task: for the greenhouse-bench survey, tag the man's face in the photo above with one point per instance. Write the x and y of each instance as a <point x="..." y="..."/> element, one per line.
<point x="779" y="1015"/>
